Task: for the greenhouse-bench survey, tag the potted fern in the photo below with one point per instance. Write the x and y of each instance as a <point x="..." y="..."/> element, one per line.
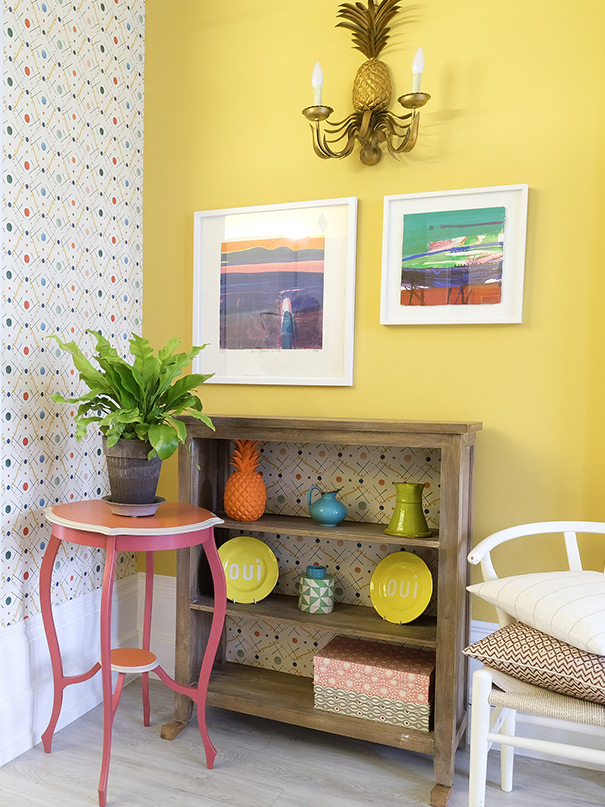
<point x="135" y="406"/>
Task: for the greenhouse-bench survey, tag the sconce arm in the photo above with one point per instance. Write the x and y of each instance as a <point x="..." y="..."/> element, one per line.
<point x="408" y="132"/>
<point x="411" y="135"/>
<point x="321" y="145"/>
<point x="346" y="125"/>
<point x="370" y="127"/>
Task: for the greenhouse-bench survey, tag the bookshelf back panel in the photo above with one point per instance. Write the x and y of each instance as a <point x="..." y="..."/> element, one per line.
<point x="364" y="474"/>
<point x="351" y="564"/>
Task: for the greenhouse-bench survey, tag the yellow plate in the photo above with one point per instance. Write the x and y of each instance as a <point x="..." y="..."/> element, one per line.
<point x="401" y="587"/>
<point x="251" y="569"/>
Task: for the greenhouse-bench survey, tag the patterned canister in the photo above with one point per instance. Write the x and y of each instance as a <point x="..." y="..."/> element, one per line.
<point x="316" y="591"/>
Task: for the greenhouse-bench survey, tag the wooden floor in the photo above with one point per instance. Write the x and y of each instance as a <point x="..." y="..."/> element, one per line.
<point x="260" y="763"/>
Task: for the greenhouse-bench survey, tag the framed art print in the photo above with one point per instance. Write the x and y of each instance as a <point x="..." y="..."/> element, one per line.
<point x="274" y="293"/>
<point x="454" y="256"/>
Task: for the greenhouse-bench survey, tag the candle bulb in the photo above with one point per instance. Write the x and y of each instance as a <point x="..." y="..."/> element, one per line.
<point x="417" y="68"/>
<point x="317" y="79"/>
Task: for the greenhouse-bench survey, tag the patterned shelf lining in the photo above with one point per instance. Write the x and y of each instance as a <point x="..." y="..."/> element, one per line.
<point x="366" y="475"/>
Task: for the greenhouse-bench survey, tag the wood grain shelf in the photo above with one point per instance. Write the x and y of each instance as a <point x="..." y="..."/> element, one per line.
<point x="289" y="699"/>
<point x="351" y="620"/>
<point x="346" y="530"/>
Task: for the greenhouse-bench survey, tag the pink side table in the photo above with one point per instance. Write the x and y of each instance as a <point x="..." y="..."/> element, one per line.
<point x="174" y="526"/>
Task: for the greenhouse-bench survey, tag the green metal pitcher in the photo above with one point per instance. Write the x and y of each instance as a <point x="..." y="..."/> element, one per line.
<point x="408" y="517"/>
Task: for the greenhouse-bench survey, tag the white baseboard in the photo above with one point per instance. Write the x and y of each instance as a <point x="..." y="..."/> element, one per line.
<point x="26" y="690"/>
<point x="25" y="673"/>
<point x="162" y="644"/>
<point x="163" y="620"/>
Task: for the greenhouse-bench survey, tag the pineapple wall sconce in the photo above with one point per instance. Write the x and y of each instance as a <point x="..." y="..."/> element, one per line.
<point x="371" y="123"/>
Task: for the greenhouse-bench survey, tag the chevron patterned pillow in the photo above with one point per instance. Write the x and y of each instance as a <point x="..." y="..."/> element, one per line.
<point x="567" y="605"/>
<point x="529" y="655"/>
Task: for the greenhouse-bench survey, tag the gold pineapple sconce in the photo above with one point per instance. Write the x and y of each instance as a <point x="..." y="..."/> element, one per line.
<point x="372" y="124"/>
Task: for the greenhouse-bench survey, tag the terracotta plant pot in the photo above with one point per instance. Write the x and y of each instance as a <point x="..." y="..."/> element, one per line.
<point x="133" y="479"/>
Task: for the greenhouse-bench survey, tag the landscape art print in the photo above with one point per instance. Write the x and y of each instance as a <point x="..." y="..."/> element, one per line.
<point x="272" y="294"/>
<point x="453" y="257"/>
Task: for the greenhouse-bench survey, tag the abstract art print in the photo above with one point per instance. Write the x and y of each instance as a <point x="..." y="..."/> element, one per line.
<point x="274" y="293"/>
<point x="454" y="257"/>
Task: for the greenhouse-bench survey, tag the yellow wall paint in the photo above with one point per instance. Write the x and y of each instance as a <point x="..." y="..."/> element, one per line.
<point x="516" y="91"/>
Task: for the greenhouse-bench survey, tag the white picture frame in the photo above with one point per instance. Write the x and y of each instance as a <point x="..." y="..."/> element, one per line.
<point x="422" y="283"/>
<point x="256" y="331"/>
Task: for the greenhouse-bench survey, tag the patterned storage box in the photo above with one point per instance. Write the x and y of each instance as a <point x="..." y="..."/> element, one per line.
<point x="375" y="681"/>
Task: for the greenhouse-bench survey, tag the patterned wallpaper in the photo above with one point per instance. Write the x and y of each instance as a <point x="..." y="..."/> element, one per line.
<point x="72" y="172"/>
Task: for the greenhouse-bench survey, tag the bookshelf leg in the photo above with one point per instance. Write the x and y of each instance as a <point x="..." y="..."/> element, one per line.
<point x="440" y="795"/>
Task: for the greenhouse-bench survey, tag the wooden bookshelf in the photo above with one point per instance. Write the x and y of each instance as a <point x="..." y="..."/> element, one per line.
<point x="289" y="699"/>
<point x="203" y="471"/>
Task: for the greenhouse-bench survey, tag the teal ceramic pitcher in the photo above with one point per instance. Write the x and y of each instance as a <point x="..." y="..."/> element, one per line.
<point x="327" y="510"/>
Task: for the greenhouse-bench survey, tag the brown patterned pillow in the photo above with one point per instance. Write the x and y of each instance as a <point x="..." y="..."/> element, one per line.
<point x="536" y="658"/>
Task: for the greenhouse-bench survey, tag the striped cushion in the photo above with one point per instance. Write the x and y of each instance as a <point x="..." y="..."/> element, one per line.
<point x="567" y="605"/>
<point x="536" y="658"/>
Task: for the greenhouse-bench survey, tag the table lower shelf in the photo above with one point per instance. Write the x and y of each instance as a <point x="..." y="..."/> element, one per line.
<point x="289" y="699"/>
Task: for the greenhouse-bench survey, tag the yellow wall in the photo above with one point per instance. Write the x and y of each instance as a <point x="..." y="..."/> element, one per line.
<point x="517" y="97"/>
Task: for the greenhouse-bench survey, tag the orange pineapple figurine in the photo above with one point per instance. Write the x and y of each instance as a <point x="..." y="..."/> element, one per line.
<point x="245" y="491"/>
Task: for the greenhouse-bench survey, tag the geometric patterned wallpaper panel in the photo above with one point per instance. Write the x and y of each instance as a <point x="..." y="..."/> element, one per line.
<point x="72" y="172"/>
<point x="365" y="477"/>
<point x="290" y="648"/>
<point x="352" y="564"/>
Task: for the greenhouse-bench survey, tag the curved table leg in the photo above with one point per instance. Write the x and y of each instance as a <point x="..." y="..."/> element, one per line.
<point x="108" y="708"/>
<point x="214" y="638"/>
<point x="60" y="681"/>
<point x="147" y="633"/>
<point x="46" y="570"/>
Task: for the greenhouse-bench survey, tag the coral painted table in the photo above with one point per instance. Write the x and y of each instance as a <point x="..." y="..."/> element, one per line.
<point x="174" y="526"/>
